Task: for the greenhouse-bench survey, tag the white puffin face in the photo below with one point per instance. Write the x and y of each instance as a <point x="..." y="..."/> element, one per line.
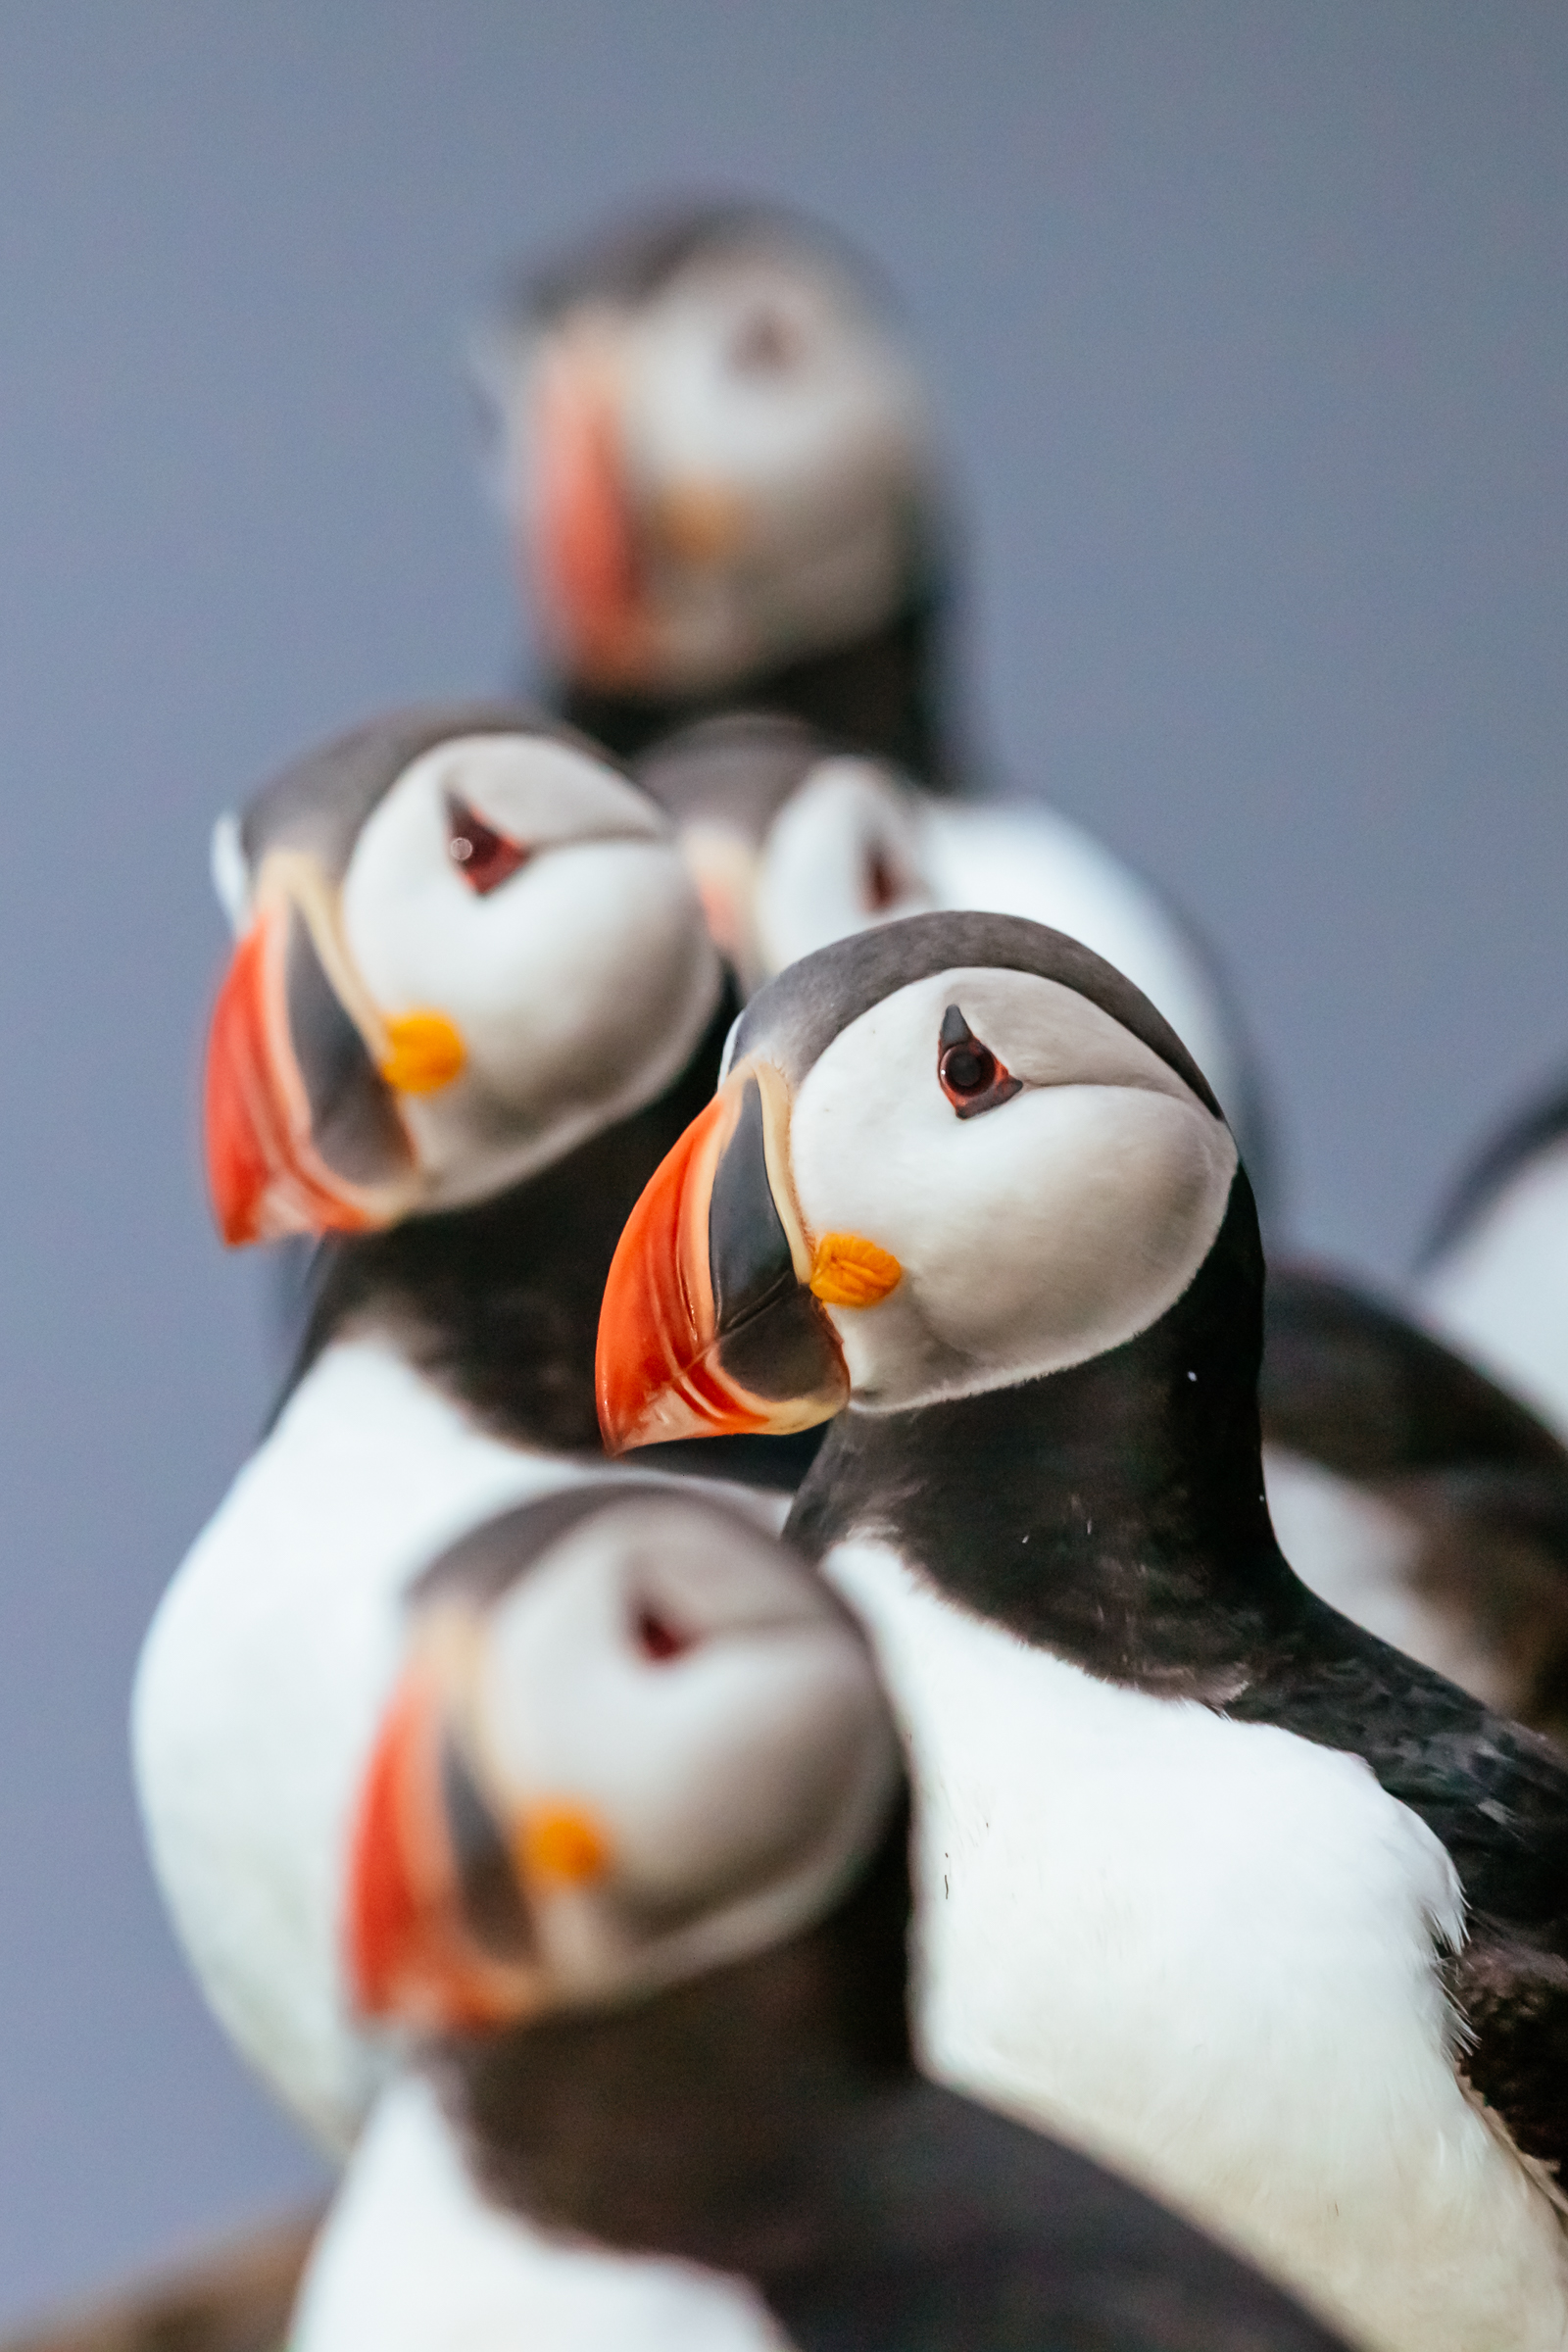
<point x="534" y="902"/>
<point x="843" y="853"/>
<point x="1056" y="1219"/>
<point x="760" y="450"/>
<point x="687" y="1689"/>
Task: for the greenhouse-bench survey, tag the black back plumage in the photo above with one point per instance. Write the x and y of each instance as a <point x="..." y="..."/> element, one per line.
<point x="1347" y="1382"/>
<point x="1351" y="1383"/>
<point x="766" y="2121"/>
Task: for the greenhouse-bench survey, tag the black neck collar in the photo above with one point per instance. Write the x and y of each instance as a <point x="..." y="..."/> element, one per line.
<point x="700" y="2123"/>
<point x="1113" y="1513"/>
<point x="884" y="694"/>
<point x="498" y="1304"/>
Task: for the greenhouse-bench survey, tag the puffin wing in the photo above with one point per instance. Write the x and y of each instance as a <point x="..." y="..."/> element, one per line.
<point x="962" y="2232"/>
<point x="1496" y="1796"/>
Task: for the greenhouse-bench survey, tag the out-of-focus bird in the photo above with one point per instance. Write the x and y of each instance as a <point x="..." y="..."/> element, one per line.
<point x="1249" y="1903"/>
<point x="472" y="1002"/>
<point x="1415" y="1494"/>
<point x="796" y="842"/>
<point x="1494" y="1276"/>
<point x="715" y="460"/>
<point x="719" y="467"/>
<point x="630" y="1866"/>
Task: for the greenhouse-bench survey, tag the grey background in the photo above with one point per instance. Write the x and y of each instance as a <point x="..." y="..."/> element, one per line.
<point x="1250" y="325"/>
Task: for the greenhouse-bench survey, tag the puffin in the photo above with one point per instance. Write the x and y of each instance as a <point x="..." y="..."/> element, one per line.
<point x="719" y="471"/>
<point x="629" y="1873"/>
<point x="1492" y="1276"/>
<point x="722" y="479"/>
<point x="1416" y="1495"/>
<point x="473" y="1003"/>
<point x="1210" y="1881"/>
<point x="797" y="839"/>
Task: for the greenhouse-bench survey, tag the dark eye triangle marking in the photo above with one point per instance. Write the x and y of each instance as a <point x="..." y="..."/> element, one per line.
<point x="483" y="857"/>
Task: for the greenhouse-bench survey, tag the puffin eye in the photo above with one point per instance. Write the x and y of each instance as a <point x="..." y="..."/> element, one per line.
<point x="968" y="1072"/>
<point x="765" y="343"/>
<point x="484" y="858"/>
<point x="657" y="1638"/>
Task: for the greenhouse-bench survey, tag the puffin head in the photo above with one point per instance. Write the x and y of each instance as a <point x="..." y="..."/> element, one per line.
<point x="711" y="449"/>
<point x="949" y="1156"/>
<point x="634" y="1738"/>
<point x="466" y="944"/>
<point x="793" y="841"/>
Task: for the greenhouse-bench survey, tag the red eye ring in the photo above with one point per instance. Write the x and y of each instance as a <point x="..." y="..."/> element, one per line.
<point x="484" y="858"/>
<point x="968" y="1073"/>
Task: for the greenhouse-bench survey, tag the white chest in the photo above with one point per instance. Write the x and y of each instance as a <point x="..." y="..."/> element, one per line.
<point x="259" y="1686"/>
<point x="1207" y="1950"/>
<point x="1502" y="1293"/>
<point x="413" y="2260"/>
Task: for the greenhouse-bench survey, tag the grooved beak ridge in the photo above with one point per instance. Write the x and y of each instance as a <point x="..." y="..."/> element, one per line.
<point x="707" y="1326"/>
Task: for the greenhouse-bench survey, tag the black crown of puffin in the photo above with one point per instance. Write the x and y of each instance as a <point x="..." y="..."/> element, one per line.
<point x="316" y="1070"/>
<point x="735" y="1304"/>
<point x="633" y="1738"/>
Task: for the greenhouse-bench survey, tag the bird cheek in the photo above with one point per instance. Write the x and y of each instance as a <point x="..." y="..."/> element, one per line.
<point x="877" y="1339"/>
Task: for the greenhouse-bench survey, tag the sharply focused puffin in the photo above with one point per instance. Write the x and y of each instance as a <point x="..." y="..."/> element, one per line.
<point x="629" y="1864"/>
<point x="1249" y="1903"/>
<point x="1494" y="1277"/>
<point x="473" y="1003"/>
<point x="1415" y="1494"/>
<point x="717" y="462"/>
<point x="795" y="841"/>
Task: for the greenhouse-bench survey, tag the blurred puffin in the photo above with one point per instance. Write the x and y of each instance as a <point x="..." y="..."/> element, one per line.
<point x="719" y="467"/>
<point x="1494" y="1277"/>
<point x="795" y="841"/>
<point x="1415" y="1494"/>
<point x="473" y="1003"/>
<point x="714" y="457"/>
<point x="629" y="1866"/>
<point x="1196" y="1856"/>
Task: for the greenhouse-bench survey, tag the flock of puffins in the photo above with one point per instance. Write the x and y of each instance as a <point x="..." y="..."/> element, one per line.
<point x="819" y="1722"/>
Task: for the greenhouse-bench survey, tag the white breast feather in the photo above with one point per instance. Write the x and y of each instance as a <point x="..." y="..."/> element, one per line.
<point x="260" y="1684"/>
<point x="1205" y="1950"/>
<point x="412" y="2259"/>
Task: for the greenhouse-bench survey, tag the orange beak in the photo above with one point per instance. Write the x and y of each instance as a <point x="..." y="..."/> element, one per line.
<point x="709" y="1326"/>
<point x="582" y="556"/>
<point x="438" y="1931"/>
<point x="285" y="1064"/>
